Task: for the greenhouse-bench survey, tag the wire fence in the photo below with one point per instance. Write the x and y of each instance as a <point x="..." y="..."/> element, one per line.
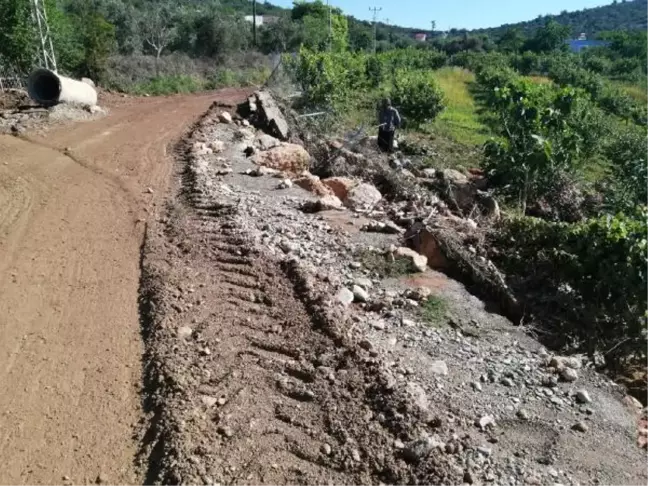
<point x="11" y="79"/>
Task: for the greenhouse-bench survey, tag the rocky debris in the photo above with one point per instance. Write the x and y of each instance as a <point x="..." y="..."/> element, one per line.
<point x="217" y="146"/>
<point x="261" y="171"/>
<point x="425" y="243"/>
<point x="340" y="186"/>
<point x="419" y="449"/>
<point x="478" y="273"/>
<point x="439" y="368"/>
<point x="363" y="196"/>
<point x="561" y="362"/>
<point x="324" y="203"/>
<point x="391" y="332"/>
<point x="569" y="374"/>
<point x="387" y="227"/>
<point x="485" y="421"/>
<point x="360" y="294"/>
<point x="419" y="261"/>
<point x="345" y="297"/>
<point x="312" y="183"/>
<point x="287" y="157"/>
<point x="225" y="117"/>
<point x="580" y="427"/>
<point x="285" y="184"/>
<point x="263" y="141"/>
<point x="185" y="332"/>
<point x="583" y="396"/>
<point x="264" y="113"/>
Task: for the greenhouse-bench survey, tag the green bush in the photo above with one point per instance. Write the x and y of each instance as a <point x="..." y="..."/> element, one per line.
<point x="544" y="133"/>
<point x="166" y="85"/>
<point x="626" y="152"/>
<point x="417" y="96"/>
<point x="592" y="277"/>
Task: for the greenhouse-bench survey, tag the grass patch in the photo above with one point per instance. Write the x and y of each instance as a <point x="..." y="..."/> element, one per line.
<point x="381" y="264"/>
<point x="635" y="91"/>
<point x="459" y="121"/>
<point x="175" y="84"/>
<point x="434" y="309"/>
<point x="538" y="79"/>
<point x="166" y="85"/>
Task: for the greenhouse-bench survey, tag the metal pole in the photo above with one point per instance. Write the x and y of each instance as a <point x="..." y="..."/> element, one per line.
<point x="375" y="11"/>
<point x="330" y="35"/>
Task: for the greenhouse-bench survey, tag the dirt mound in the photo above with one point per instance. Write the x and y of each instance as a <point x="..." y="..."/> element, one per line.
<point x="14" y="99"/>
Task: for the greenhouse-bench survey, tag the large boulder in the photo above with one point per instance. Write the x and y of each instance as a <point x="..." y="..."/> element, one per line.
<point x="266" y="142"/>
<point x="419" y="261"/>
<point x="287" y="157"/>
<point x="362" y="196"/>
<point x="313" y="184"/>
<point x="340" y="186"/>
<point x="263" y="113"/>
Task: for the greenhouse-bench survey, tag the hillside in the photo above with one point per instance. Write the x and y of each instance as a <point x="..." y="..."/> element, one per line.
<point x="628" y="15"/>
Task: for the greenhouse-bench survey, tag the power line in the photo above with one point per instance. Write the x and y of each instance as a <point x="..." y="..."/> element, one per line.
<point x="375" y="10"/>
<point x="39" y="17"/>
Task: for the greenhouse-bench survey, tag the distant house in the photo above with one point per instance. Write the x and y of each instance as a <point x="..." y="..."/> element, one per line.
<point x="577" y="45"/>
<point x="421" y="37"/>
<point x="262" y="19"/>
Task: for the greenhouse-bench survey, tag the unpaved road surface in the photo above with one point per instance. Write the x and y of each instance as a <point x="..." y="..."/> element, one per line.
<point x="72" y="207"/>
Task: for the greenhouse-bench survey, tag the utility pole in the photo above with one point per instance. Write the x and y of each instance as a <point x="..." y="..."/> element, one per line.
<point x="254" y="26"/>
<point x="330" y="22"/>
<point x="375" y="11"/>
<point x="39" y="17"/>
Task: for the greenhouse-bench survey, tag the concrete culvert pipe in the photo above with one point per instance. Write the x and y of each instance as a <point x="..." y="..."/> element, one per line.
<point x="48" y="88"/>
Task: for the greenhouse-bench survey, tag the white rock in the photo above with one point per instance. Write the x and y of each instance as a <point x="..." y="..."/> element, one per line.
<point x="419" y="261"/>
<point x="345" y="297"/>
<point x="217" y="146"/>
<point x="362" y="196"/>
<point x="225" y="117"/>
<point x="439" y="368"/>
<point x="583" y="396"/>
<point x="360" y="294"/>
<point x="185" y="332"/>
<point x="285" y="184"/>
<point x="569" y="374"/>
<point x="364" y="282"/>
<point x="208" y="401"/>
<point x="486" y="421"/>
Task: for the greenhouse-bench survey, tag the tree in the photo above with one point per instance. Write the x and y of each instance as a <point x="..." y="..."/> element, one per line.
<point x="281" y="36"/>
<point x="158" y="27"/>
<point x="551" y="37"/>
<point x="511" y="41"/>
<point x="17" y="36"/>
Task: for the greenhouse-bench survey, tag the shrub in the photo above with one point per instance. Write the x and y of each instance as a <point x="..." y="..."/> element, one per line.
<point x="417" y="96"/>
<point x="626" y="152"/>
<point x="166" y="85"/>
<point x="592" y="277"/>
<point x="545" y="132"/>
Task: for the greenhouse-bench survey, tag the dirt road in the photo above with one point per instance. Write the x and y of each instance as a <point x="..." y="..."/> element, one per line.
<point x="72" y="207"/>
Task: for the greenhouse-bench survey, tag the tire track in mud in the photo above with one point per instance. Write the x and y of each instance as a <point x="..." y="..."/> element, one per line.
<point x="249" y="377"/>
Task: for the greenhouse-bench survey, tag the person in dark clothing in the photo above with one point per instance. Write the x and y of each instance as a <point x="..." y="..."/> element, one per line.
<point x="389" y="120"/>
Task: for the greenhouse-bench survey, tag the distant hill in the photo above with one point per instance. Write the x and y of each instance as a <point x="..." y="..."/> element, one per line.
<point x="620" y="15"/>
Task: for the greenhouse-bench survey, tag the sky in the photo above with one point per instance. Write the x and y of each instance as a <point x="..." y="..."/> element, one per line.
<point x="448" y="14"/>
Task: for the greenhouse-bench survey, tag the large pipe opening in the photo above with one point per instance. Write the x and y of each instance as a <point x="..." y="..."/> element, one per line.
<point x="44" y="87"/>
<point x="49" y="88"/>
